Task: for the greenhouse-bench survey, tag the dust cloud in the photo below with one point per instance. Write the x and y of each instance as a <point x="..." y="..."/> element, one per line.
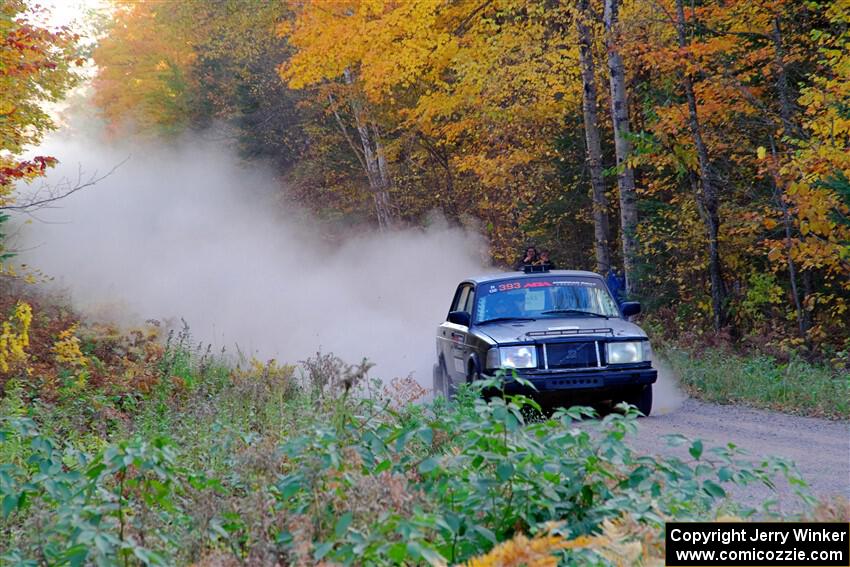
<point x="188" y="230"/>
<point x="667" y="395"/>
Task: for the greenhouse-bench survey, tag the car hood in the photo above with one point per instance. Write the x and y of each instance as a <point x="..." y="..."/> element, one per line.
<point x="515" y="331"/>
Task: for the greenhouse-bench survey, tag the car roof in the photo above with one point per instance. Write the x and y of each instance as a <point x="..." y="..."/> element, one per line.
<point x="485" y="278"/>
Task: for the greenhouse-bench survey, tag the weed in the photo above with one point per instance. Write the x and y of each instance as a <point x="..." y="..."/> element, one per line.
<point x="795" y="386"/>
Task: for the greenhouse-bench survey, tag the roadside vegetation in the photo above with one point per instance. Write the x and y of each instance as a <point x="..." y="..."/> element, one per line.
<point x="217" y="461"/>
<point x="752" y="370"/>
<point x="793" y="386"/>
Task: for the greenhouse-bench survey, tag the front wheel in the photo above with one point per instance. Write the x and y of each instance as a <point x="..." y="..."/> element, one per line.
<point x="641" y="398"/>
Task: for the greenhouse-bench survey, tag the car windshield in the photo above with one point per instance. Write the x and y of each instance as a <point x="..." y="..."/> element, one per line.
<point x="539" y="298"/>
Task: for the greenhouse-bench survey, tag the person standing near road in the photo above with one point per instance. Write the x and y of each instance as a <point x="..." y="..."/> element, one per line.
<point x="530" y="258"/>
<point x="617" y="285"/>
<point x="544" y="261"/>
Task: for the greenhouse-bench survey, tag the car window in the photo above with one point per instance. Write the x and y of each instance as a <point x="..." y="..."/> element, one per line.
<point x="470" y="300"/>
<point x="462" y="298"/>
<point x="550" y="297"/>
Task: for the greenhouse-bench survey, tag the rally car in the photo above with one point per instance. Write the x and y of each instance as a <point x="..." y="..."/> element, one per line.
<point x="560" y="330"/>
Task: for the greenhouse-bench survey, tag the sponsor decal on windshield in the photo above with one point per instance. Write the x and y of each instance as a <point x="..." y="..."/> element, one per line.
<point x="581" y="283"/>
<point x="538" y="284"/>
<point x="520" y="284"/>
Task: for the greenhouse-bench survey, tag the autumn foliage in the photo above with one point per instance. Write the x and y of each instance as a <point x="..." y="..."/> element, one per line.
<point x="36" y="66"/>
<point x="383" y="112"/>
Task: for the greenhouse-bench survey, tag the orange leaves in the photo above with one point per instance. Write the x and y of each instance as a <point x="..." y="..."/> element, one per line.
<point x="819" y="169"/>
<point x="485" y="85"/>
<point x="150" y="48"/>
<point x="35" y="68"/>
<point x="328" y="38"/>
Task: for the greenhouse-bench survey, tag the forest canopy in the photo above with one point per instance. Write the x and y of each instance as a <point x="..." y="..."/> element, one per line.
<point x="702" y="147"/>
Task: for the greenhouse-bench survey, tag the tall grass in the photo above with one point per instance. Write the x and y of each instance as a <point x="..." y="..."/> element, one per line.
<point x="761" y="381"/>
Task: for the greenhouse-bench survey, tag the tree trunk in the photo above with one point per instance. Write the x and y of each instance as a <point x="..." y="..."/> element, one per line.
<point x="808" y="291"/>
<point x="374" y="161"/>
<point x="622" y="146"/>
<point x="385" y="181"/>
<point x="791" y="128"/>
<point x="786" y="105"/>
<point x="709" y="195"/>
<point x="591" y="136"/>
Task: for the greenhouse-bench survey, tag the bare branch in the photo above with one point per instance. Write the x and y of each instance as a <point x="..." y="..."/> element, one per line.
<point x="461" y="28"/>
<point x="54" y="195"/>
<point x="358" y="152"/>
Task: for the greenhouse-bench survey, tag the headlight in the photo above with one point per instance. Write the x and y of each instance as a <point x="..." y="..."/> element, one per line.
<point x="512" y="357"/>
<point x="629" y="352"/>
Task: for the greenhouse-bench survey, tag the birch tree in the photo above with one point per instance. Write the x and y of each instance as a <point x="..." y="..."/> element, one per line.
<point x="622" y="145"/>
<point x="592" y="139"/>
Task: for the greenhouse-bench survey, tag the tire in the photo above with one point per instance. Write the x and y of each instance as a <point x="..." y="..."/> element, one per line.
<point x="472" y="375"/>
<point x="441" y="383"/>
<point x="641" y="398"/>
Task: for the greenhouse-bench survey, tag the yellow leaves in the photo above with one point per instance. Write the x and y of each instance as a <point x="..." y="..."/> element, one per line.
<point x="624" y="541"/>
<point x="329" y="38"/>
<point x="775" y="254"/>
<point x="14" y="338"/>
<point x="67" y="354"/>
<point x="761" y="152"/>
<point x="488" y="77"/>
<point x="66" y="350"/>
<point x="521" y="551"/>
<point x="151" y="47"/>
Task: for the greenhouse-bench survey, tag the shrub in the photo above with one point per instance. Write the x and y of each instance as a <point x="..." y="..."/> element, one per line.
<point x="257" y="470"/>
<point x="62" y="506"/>
<point x="459" y="483"/>
<point x="14" y="338"/>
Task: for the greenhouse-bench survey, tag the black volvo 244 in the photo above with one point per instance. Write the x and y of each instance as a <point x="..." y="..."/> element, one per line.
<point x="561" y="330"/>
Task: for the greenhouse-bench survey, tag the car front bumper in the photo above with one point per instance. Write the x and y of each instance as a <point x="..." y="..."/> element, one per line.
<point x="602" y="380"/>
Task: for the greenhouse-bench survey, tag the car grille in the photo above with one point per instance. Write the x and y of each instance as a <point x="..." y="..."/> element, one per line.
<point x="571" y="355"/>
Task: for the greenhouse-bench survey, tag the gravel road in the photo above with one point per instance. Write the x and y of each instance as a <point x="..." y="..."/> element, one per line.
<point x="820" y="448"/>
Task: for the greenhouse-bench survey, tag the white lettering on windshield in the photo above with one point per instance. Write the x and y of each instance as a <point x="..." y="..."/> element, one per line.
<point x="578" y="283"/>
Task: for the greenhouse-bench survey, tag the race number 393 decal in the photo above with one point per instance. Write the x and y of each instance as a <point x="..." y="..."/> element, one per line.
<point x="509" y="286"/>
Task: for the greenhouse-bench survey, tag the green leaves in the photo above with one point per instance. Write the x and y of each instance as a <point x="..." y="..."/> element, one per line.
<point x="428" y="465"/>
<point x="93" y="501"/>
<point x="696" y="449"/>
<point x="713" y="489"/>
<point x="492" y="475"/>
<point x="10" y="504"/>
<point x="504" y="470"/>
<point x="342" y="524"/>
<point x="413" y="485"/>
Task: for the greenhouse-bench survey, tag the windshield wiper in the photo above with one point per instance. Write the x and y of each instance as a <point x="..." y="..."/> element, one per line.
<point x="503" y="319"/>
<point x="574" y="312"/>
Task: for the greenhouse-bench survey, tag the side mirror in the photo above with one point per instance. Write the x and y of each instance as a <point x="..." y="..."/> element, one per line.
<point x="459" y="318"/>
<point x="630" y="308"/>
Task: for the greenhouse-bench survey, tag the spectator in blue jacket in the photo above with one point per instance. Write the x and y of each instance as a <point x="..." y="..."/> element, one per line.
<point x="617" y="284"/>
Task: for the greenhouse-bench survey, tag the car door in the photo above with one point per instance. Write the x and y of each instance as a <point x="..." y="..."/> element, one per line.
<point x="454" y="337"/>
